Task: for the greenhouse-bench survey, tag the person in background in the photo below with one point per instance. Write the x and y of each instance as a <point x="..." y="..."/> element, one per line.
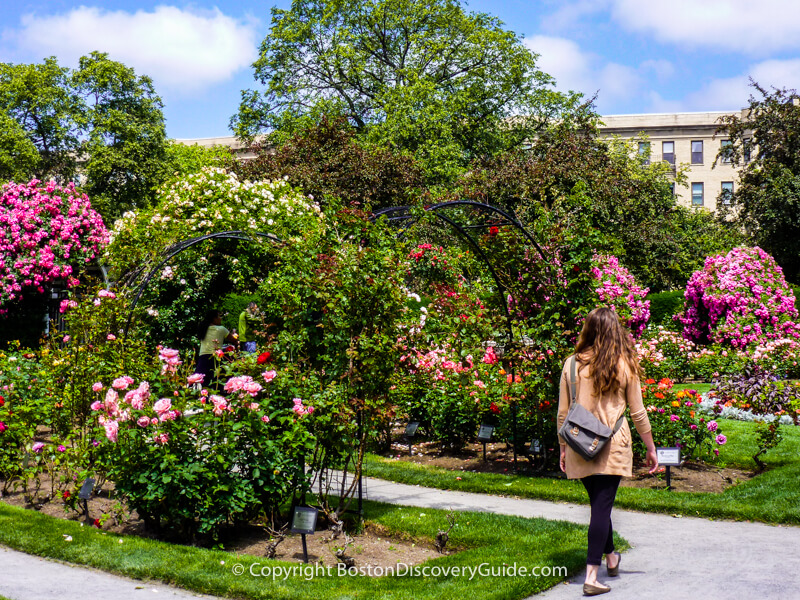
<point x="247" y="319"/>
<point x="608" y="382"/>
<point x="212" y="336"/>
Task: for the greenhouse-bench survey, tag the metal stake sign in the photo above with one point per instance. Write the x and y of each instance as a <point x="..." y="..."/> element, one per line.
<point x="304" y="522"/>
<point x="669" y="457"/>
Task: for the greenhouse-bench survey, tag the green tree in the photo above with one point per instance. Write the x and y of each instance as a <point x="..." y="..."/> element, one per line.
<point x="18" y="155"/>
<point x="766" y="204"/>
<point x="41" y="100"/>
<point x="424" y="76"/>
<point x="101" y="120"/>
<point x="328" y="161"/>
<point x="126" y="134"/>
<point x="629" y="202"/>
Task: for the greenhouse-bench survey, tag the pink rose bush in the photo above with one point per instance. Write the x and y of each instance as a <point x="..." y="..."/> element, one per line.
<point x="47" y="233"/>
<point x="164" y="436"/>
<point x="616" y="288"/>
<point x="740" y="299"/>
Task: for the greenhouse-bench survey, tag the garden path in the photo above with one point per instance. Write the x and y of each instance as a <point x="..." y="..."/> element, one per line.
<point x="26" y="577"/>
<point x="670" y="558"/>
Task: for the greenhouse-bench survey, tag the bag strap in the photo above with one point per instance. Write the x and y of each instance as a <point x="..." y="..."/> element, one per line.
<point x="574" y="394"/>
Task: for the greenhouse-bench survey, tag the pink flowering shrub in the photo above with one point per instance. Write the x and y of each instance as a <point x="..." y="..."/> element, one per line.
<point x="616" y="288"/>
<point x="740" y="299"/>
<point x="47" y="233"/>
<point x="218" y="455"/>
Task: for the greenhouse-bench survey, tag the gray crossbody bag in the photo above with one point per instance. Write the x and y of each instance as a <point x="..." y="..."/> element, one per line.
<point x="582" y="431"/>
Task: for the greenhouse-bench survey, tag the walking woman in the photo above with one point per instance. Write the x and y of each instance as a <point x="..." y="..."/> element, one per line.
<point x="607" y="378"/>
<point x="212" y="335"/>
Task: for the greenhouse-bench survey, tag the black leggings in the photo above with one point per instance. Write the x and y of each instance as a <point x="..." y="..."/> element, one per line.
<point x="602" y="490"/>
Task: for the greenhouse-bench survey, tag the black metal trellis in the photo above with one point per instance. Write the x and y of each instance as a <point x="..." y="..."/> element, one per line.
<point x="176" y="249"/>
<point x="495" y="217"/>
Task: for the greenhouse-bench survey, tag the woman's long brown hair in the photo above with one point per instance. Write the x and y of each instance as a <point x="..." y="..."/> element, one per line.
<point x="608" y="340"/>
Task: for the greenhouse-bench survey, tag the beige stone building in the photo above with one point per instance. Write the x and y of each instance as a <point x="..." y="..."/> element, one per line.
<point x="682" y="139"/>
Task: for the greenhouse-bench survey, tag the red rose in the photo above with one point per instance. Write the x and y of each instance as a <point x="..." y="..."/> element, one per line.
<point x="264" y="357"/>
<point x="2" y="402"/>
<point x="65" y="495"/>
<point x="493" y="231"/>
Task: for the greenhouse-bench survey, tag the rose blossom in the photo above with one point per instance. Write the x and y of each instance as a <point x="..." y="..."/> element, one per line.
<point x="97" y="386"/>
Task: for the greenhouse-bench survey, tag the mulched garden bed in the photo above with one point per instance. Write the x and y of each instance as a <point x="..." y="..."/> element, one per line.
<point x="691" y="477"/>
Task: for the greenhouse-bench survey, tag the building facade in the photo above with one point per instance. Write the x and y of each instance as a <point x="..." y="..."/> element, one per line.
<point x="687" y="140"/>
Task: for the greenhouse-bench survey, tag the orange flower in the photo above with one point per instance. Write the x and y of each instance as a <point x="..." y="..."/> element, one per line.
<point x="659" y="395"/>
<point x="691" y="413"/>
<point x="502" y="371"/>
<point x="675" y="403"/>
<point x="650" y="381"/>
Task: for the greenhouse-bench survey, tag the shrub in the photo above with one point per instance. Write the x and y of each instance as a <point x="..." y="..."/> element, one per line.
<point x="739" y="299"/>
<point x="665" y="305"/>
<point x="665" y="353"/>
<point x="47" y="233"/>
<point x="763" y="393"/>
<point x="617" y="289"/>
<point x="676" y="420"/>
<point x="191" y="461"/>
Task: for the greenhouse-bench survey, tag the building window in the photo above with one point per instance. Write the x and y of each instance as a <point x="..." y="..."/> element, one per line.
<point x="672" y="189"/>
<point x="697" y="152"/>
<point x="644" y="152"/>
<point x="727" y="192"/>
<point x="746" y="151"/>
<point x="697" y="194"/>
<point x="725" y="147"/>
<point x="668" y="152"/>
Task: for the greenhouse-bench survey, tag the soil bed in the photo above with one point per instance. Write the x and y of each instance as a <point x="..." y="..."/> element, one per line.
<point x="373" y="546"/>
<point x="691" y="477"/>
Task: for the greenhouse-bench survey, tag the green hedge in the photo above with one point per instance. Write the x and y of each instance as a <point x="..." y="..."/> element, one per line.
<point x="664" y="305"/>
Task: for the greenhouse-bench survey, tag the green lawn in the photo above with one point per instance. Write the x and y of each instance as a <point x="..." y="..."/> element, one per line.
<point x="772" y="497"/>
<point x="483" y="538"/>
<point x="703" y="388"/>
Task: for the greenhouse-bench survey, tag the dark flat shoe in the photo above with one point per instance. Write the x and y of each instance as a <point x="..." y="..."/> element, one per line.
<point x="590" y="589"/>
<point x="615" y="571"/>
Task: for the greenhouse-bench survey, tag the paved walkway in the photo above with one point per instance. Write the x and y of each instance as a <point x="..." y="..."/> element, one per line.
<point x="671" y="558"/>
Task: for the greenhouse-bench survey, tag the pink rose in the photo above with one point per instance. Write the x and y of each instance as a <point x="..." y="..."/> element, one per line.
<point x="162" y="406"/>
<point x="112" y="428"/>
<point x="143" y="421"/>
<point x="96" y="387"/>
<point x="269" y="375"/>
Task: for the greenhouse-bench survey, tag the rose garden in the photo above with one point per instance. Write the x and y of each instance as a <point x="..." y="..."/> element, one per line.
<point x="453" y="319"/>
<point x="413" y="229"/>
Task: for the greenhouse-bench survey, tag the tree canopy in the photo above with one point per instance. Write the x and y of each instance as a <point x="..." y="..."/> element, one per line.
<point x="425" y="76"/>
<point x="102" y="115"/>
<point x="766" y="203"/>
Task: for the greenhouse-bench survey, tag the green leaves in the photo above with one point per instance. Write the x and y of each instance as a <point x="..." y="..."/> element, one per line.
<point x="426" y="77"/>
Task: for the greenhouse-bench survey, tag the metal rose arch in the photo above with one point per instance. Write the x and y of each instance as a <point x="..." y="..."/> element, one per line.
<point x="146" y="274"/>
<point x="471" y="222"/>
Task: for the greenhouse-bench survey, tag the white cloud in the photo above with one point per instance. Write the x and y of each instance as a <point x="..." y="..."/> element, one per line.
<point x="183" y="50"/>
<point x="745" y="26"/>
<point x="582" y="71"/>
<point x="732" y="93"/>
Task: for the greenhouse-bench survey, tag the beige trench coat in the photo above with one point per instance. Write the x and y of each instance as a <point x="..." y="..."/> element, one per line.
<point x="617" y="457"/>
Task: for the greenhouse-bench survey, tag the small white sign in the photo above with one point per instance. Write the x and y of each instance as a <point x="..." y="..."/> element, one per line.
<point x="669" y="457"/>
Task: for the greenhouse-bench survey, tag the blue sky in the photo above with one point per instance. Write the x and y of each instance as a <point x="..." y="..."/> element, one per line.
<point x="638" y="56"/>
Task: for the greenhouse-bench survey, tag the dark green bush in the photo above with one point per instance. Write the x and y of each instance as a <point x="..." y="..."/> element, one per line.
<point x="664" y="305"/>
